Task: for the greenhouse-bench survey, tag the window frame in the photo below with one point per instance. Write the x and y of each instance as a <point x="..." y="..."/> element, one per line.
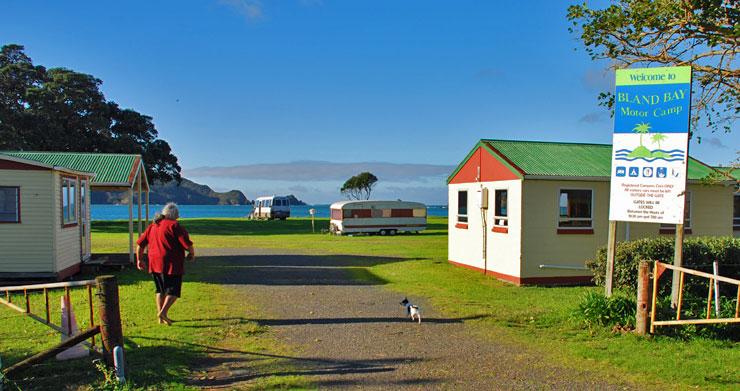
<point x="558" y="219"/>
<point x="496" y="216"/>
<point x="735" y="219"/>
<point x="72" y="204"/>
<point x="462" y="219"/>
<point x="17" y="205"/>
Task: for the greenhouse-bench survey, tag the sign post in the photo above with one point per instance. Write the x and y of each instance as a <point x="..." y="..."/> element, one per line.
<point x="650" y="149"/>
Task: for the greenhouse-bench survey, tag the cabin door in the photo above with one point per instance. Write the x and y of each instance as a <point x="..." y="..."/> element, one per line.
<point x="84" y="222"/>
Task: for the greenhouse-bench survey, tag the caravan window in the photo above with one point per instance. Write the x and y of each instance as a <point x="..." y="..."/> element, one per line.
<point x="357" y="213"/>
<point x="420" y="212"/>
<point x="462" y="206"/>
<point x="336" y="214"/>
<point x="575" y="208"/>
<point x="10" y="211"/>
<point x="402" y="213"/>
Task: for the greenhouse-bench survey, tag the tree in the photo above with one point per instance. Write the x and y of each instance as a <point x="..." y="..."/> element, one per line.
<point x="642" y="129"/>
<point x="359" y="186"/>
<point x="658" y="138"/>
<point x="59" y="109"/>
<point x="701" y="33"/>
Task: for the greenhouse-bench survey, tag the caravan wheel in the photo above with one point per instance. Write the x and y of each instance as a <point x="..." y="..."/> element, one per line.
<point x="391" y="232"/>
<point x="383" y="232"/>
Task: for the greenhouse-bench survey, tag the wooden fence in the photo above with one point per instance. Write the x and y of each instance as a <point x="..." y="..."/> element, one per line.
<point x="714" y="279"/>
<point x="109" y="325"/>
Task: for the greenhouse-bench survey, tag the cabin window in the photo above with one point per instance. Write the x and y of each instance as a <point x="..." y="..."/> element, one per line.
<point x="69" y="201"/>
<point x="501" y="208"/>
<point x="357" y="213"/>
<point x="420" y="212"/>
<point x="402" y="213"/>
<point x="575" y="208"/>
<point x="670" y="228"/>
<point x="462" y="206"/>
<point x="336" y="214"/>
<point x="10" y="204"/>
<point x="736" y="214"/>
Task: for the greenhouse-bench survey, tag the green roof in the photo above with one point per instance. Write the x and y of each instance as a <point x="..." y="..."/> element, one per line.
<point x="734" y="172"/>
<point x="109" y="168"/>
<point x="539" y="158"/>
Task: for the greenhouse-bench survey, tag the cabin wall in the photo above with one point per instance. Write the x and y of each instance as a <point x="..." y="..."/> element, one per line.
<point x="711" y="215"/>
<point x="27" y="247"/>
<point x="68" y="248"/>
<point x="465" y="240"/>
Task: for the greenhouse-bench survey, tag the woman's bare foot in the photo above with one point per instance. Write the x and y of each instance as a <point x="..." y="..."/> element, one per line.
<point x="165" y="320"/>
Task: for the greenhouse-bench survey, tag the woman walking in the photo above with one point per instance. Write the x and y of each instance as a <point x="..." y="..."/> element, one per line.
<point x="166" y="242"/>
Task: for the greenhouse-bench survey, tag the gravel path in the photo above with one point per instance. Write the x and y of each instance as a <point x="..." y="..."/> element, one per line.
<point x="352" y="334"/>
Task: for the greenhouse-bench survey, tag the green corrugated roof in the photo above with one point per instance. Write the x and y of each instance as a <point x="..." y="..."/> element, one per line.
<point x="569" y="159"/>
<point x="732" y="171"/>
<point x="107" y="167"/>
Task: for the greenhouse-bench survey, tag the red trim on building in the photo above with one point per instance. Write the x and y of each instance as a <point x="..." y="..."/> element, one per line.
<point x="521" y="172"/>
<point x="501" y="230"/>
<point x="12" y="165"/>
<point x="490" y="169"/>
<point x="461" y="225"/>
<point x="386" y="226"/>
<point x="68" y="272"/>
<point x="562" y="280"/>
<point x="574" y="231"/>
<point x="671" y="231"/>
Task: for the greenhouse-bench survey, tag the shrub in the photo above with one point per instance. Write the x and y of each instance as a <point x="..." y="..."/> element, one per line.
<point x="698" y="254"/>
<point x="598" y="310"/>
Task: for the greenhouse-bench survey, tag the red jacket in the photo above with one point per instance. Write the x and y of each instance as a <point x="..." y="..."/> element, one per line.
<point x="166" y="241"/>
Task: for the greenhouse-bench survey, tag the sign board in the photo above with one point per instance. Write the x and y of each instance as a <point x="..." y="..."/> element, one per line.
<point x="650" y="144"/>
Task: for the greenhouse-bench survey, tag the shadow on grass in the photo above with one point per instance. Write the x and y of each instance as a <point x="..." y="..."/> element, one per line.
<point x="239" y="227"/>
<point x="229" y="367"/>
<point x="291" y="269"/>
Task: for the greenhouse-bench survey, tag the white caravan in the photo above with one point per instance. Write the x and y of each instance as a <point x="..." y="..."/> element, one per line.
<point x="270" y="208"/>
<point x="381" y="217"/>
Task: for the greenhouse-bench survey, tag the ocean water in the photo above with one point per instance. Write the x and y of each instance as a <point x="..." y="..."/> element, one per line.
<point x="120" y="212"/>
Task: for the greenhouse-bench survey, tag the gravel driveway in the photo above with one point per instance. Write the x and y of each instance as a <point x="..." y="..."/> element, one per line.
<point x="352" y="334"/>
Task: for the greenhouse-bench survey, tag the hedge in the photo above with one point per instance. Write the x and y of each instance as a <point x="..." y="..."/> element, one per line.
<point x="698" y="253"/>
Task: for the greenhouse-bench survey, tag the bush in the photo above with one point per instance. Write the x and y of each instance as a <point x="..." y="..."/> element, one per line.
<point x="698" y="254"/>
<point x="598" y="310"/>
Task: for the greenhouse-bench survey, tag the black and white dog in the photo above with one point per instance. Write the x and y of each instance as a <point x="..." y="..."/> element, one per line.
<point x="411" y="310"/>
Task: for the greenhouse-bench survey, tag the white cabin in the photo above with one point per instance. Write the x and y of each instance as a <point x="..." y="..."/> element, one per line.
<point x="381" y="217"/>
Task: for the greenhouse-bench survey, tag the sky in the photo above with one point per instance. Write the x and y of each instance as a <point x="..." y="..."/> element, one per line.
<point x="314" y="90"/>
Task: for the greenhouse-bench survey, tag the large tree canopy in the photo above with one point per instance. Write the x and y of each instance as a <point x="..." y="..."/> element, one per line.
<point x="62" y="110"/>
<point x="359" y="186"/>
<point x="701" y="33"/>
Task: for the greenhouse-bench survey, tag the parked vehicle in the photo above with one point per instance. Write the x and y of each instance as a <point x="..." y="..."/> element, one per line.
<point x="380" y="217"/>
<point x="271" y="208"/>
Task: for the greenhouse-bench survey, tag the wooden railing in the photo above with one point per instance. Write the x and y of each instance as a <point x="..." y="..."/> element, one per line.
<point x="660" y="267"/>
<point x="7" y="294"/>
<point x="109" y="314"/>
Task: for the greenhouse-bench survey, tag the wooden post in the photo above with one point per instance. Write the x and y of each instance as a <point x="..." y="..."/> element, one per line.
<point x="680" y="297"/>
<point x="51" y="352"/>
<point x="643" y="295"/>
<point x="131" y="225"/>
<point x="709" y="298"/>
<point x="677" y="261"/>
<point x="111" y="332"/>
<point x="138" y="200"/>
<point x="147" y="207"/>
<point x="611" y="250"/>
<point x="48" y="309"/>
<point x="654" y="298"/>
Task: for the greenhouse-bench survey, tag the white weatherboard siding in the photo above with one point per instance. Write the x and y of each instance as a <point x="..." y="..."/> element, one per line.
<point x="68" y="246"/>
<point x="28" y="247"/>
<point x="466" y="245"/>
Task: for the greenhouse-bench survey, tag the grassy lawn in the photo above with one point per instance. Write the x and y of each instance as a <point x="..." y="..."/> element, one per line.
<point x="537" y="317"/>
<point x="158" y="357"/>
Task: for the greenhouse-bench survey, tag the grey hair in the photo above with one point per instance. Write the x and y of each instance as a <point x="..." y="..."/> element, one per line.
<point x="170" y="211"/>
